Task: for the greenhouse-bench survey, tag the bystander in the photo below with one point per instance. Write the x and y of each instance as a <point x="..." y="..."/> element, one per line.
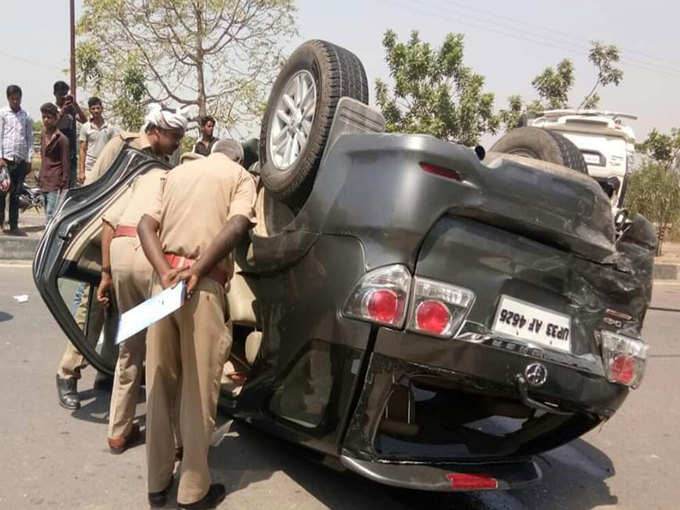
<point x="54" y="160"/>
<point x="16" y="149"/>
<point x="69" y="113"/>
<point x="94" y="135"/>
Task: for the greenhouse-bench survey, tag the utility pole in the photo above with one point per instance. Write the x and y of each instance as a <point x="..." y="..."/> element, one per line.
<point x="73" y="49"/>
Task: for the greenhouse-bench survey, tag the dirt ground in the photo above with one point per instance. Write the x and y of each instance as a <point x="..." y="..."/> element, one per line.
<point x="670" y="254"/>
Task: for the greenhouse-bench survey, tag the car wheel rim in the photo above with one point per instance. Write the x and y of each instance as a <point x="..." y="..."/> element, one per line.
<point x="292" y="120"/>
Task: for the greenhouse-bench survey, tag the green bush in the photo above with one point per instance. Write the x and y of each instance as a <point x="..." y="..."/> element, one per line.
<point x="654" y="192"/>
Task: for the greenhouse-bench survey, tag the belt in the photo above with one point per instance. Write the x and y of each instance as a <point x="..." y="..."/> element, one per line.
<point x="177" y="261"/>
<point x="125" y="231"/>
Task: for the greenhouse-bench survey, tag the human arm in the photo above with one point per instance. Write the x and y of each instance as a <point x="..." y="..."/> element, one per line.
<point x="81" y="161"/>
<point x="106" y="283"/>
<point x="232" y="232"/>
<point x="65" y="162"/>
<point x="29" y="140"/>
<point x="72" y="105"/>
<point x="80" y="115"/>
<point x="147" y="230"/>
<point x="2" y="134"/>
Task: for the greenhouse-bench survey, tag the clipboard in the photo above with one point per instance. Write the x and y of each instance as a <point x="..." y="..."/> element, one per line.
<point x="150" y="311"/>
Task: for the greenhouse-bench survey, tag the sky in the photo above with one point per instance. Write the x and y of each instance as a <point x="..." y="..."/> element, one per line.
<point x="508" y="42"/>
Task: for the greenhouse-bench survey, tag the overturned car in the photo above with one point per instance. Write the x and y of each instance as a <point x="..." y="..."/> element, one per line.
<point x="427" y="318"/>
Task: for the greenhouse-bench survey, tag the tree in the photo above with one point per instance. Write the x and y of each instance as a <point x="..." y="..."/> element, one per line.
<point x="603" y="57"/>
<point x="654" y="191"/>
<point x="553" y="85"/>
<point x="662" y="148"/>
<point x="433" y="92"/>
<point x="210" y="56"/>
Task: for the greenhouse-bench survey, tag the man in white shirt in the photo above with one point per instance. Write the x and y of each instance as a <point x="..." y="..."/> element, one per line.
<point x="94" y="135"/>
<point x="16" y="150"/>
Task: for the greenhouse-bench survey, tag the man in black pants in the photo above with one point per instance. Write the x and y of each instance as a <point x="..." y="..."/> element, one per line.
<point x="69" y="113"/>
<point x="16" y="149"/>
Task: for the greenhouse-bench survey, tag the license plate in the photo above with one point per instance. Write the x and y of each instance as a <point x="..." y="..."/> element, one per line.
<point x="533" y="323"/>
<point x="592" y="159"/>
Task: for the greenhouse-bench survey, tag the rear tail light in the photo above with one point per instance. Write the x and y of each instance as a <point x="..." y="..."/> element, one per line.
<point x="441" y="171"/>
<point x="381" y="296"/>
<point x="437" y="308"/>
<point x="624" y="358"/>
<point x="471" y="482"/>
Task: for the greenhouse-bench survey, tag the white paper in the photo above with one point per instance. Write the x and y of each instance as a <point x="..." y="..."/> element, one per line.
<point x="152" y="310"/>
<point x="23" y="298"/>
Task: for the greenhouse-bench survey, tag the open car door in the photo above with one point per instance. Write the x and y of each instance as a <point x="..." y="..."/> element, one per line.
<point x="67" y="264"/>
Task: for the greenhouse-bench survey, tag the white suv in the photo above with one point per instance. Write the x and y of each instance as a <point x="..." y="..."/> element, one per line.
<point x="606" y="143"/>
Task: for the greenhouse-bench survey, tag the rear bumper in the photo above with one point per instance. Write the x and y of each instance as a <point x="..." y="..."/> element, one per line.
<point x="445" y="477"/>
<point x="492" y="367"/>
<point x="430" y="401"/>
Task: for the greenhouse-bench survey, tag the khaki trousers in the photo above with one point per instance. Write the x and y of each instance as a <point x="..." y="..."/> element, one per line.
<point x="185" y="355"/>
<point x="72" y="362"/>
<point x="131" y="273"/>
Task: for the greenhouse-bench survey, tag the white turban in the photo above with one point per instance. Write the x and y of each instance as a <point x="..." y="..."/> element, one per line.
<point x="165" y="118"/>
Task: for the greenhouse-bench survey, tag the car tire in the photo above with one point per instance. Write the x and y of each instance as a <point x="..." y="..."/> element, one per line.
<point x="537" y="143"/>
<point x="292" y="141"/>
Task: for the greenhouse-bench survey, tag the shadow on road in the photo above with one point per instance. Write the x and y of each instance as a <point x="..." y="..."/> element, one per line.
<point x="4" y="316"/>
<point x="574" y="478"/>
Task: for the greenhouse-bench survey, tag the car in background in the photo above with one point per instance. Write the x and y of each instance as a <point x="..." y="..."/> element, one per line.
<point x="607" y="144"/>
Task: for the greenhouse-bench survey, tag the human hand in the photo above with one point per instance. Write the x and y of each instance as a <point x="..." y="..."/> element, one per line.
<point x="192" y="278"/>
<point x="171" y="277"/>
<point x="81" y="176"/>
<point x="2" y="162"/>
<point x="104" y="290"/>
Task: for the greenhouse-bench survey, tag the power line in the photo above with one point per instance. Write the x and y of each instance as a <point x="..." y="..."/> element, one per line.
<point x="552" y="32"/>
<point x="29" y="61"/>
<point x="572" y="46"/>
<point x="515" y="33"/>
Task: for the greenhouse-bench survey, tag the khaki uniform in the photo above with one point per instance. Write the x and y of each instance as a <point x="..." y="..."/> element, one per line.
<point x="131" y="273"/>
<point x="187" y="350"/>
<point x="72" y="362"/>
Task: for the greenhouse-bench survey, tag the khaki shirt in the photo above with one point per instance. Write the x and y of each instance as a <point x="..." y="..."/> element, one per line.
<point x="110" y="151"/>
<point x="128" y="209"/>
<point x="197" y="200"/>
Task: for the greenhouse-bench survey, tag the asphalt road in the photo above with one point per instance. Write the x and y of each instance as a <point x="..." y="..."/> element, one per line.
<point x="51" y="458"/>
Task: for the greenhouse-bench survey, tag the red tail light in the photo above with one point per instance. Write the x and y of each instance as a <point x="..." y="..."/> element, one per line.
<point x="380" y="296"/>
<point x="442" y="172"/>
<point x="467" y="481"/>
<point x="622" y="369"/>
<point x="383" y="305"/>
<point x="433" y="317"/>
<point x="624" y="358"/>
<point x="438" y="308"/>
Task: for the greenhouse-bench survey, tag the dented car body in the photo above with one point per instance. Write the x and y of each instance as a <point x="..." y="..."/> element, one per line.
<point x="431" y="320"/>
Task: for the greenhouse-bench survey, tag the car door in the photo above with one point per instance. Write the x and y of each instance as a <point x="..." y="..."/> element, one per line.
<point x="67" y="264"/>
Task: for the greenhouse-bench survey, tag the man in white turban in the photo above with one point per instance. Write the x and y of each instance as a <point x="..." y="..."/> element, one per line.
<point x="160" y="136"/>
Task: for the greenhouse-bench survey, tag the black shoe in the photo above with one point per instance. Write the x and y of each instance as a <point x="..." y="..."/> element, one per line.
<point x="103" y="382"/>
<point x="67" y="389"/>
<point x="158" y="499"/>
<point x="214" y="497"/>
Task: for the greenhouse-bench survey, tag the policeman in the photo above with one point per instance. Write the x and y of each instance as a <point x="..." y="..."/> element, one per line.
<point x="127" y="272"/>
<point x="205" y="208"/>
<point x="160" y="138"/>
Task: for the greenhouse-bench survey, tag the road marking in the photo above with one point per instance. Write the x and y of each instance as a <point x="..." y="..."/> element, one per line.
<point x="16" y="264"/>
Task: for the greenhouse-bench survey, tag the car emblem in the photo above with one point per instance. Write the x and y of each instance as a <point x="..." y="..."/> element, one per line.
<point x="536" y="374"/>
